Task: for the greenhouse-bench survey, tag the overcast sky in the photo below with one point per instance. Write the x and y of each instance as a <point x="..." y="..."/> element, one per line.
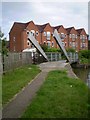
<point x="56" y="13"/>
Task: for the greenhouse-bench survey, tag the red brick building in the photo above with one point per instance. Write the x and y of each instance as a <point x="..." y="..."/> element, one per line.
<point x="82" y="39"/>
<point x="71" y="38"/>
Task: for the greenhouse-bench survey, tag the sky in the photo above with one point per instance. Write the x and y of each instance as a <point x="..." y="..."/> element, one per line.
<point x="56" y="13"/>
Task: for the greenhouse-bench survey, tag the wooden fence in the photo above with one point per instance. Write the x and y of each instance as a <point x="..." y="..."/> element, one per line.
<point x="15" y="60"/>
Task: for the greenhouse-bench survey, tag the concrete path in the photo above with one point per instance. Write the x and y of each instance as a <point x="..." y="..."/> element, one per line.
<point x="18" y="105"/>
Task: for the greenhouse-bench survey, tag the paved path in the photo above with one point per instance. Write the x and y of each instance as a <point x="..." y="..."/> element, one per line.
<point x="18" y="105"/>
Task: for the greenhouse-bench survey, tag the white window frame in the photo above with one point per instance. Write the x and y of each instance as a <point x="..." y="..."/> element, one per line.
<point x="70" y="35"/>
<point x="14" y="38"/>
<point x="52" y="44"/>
<point x="33" y="32"/>
<point x="37" y="33"/>
<point x="48" y="44"/>
<point x="48" y="35"/>
<point x="44" y="33"/>
<point x="28" y="42"/>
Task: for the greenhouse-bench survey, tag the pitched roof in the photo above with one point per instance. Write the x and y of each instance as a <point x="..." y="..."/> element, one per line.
<point x="57" y="27"/>
<point x="21" y="25"/>
<point x="79" y="30"/>
<point x="69" y="29"/>
<point x="41" y="27"/>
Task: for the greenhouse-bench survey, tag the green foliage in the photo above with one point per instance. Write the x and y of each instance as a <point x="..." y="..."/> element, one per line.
<point x="59" y="97"/>
<point x="71" y="50"/>
<point x="84" y="56"/>
<point x="53" y="50"/>
<point x="84" y="60"/>
<point x="44" y="47"/>
<point x="14" y="81"/>
<point x="3" y="44"/>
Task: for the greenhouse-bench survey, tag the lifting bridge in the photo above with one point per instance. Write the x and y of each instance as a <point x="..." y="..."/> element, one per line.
<point x="32" y="39"/>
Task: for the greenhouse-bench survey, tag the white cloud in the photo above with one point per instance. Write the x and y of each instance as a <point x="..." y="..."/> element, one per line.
<point x="56" y="13"/>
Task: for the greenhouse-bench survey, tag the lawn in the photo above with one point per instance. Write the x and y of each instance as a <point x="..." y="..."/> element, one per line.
<point x="59" y="97"/>
<point x="14" y="81"/>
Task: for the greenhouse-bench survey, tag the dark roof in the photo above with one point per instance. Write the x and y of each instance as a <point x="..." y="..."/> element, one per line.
<point x="41" y="27"/>
<point x="21" y="25"/>
<point x="79" y="30"/>
<point x="57" y="27"/>
<point x="69" y="29"/>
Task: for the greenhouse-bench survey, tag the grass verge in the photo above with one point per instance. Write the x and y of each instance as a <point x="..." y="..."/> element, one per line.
<point x="59" y="97"/>
<point x="14" y="81"/>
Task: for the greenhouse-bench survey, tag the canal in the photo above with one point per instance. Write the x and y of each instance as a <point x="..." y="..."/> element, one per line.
<point x="83" y="74"/>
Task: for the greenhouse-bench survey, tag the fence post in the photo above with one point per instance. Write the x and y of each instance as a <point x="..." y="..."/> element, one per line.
<point x="51" y="56"/>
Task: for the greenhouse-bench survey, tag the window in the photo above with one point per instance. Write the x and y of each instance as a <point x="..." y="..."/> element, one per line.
<point x="65" y="36"/>
<point x="44" y="42"/>
<point x="76" y="44"/>
<point x="14" y="38"/>
<point x="62" y="36"/>
<point x="49" y="44"/>
<point x="37" y="33"/>
<point x="28" y="43"/>
<point x="27" y="31"/>
<point x="73" y="44"/>
<point x="44" y="33"/>
<point x="63" y="43"/>
<point x="81" y="45"/>
<point x="52" y="44"/>
<point x="70" y="35"/>
<point x="48" y="35"/>
<point x="73" y="37"/>
<point x="33" y="32"/>
<point x="76" y="36"/>
<point x="83" y="38"/>
<point x="14" y="48"/>
<point x="70" y="44"/>
<point x="80" y="36"/>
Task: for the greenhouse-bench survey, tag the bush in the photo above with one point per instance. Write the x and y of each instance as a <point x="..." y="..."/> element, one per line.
<point x="53" y="50"/>
<point x="44" y="47"/>
<point x="71" y="50"/>
<point x="84" y="54"/>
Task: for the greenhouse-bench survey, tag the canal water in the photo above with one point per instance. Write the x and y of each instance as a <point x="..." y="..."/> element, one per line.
<point x="83" y="74"/>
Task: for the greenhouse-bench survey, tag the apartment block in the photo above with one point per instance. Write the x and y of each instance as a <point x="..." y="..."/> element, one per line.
<point x="71" y="38"/>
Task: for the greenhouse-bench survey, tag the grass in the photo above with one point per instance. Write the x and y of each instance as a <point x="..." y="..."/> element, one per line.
<point x="59" y="97"/>
<point x="14" y="81"/>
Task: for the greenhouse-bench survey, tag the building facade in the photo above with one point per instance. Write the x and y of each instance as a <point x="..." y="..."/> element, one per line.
<point x="71" y="38"/>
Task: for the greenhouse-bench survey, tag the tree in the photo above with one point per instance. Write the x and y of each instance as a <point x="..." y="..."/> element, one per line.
<point x="3" y="46"/>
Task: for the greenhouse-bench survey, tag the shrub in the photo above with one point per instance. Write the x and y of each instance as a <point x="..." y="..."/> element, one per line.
<point x="71" y="50"/>
<point x="44" y="47"/>
<point x="84" y="54"/>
